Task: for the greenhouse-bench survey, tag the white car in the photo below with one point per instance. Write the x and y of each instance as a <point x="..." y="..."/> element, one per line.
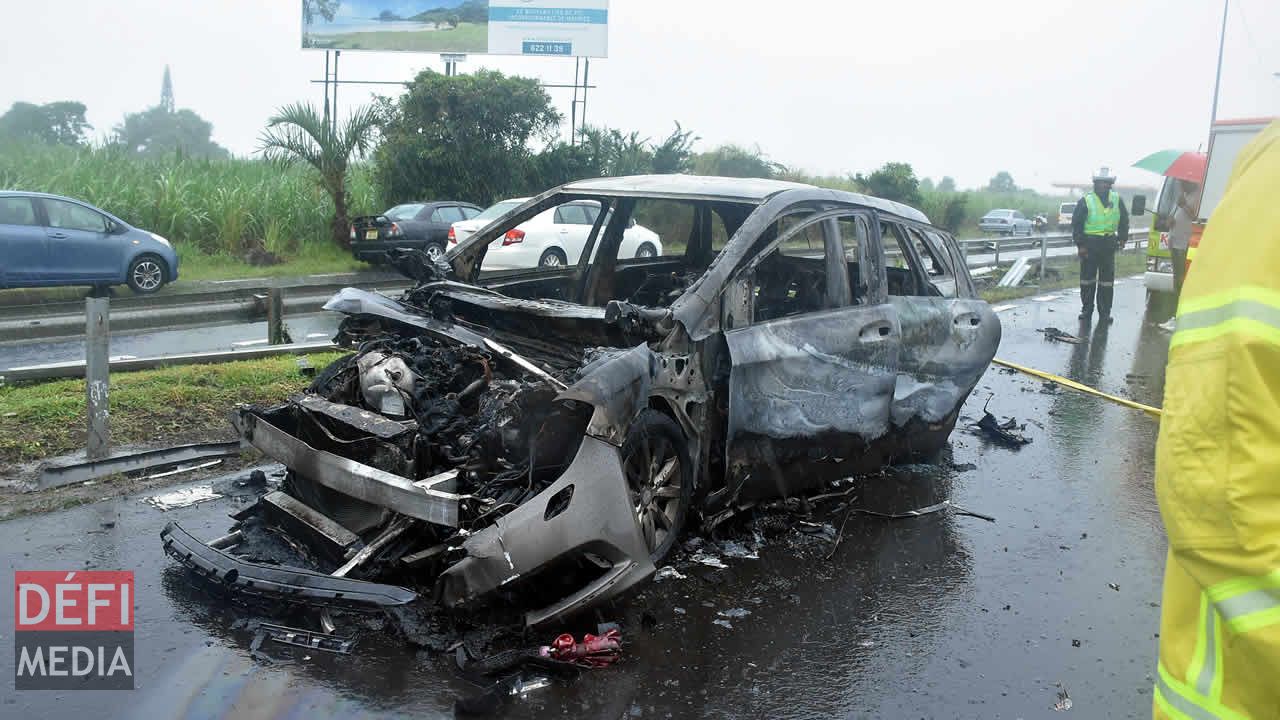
<point x="551" y="238"/>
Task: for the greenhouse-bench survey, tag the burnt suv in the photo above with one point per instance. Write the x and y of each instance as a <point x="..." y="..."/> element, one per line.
<point x="542" y="436"/>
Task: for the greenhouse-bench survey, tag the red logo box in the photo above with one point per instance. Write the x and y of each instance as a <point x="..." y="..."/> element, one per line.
<point x="70" y="601"/>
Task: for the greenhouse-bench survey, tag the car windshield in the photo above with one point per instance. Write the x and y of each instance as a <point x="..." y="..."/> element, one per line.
<point x="494" y="211"/>
<point x="404" y="212"/>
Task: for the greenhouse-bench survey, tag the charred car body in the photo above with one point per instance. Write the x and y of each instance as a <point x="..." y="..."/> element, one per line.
<point x="542" y="436"/>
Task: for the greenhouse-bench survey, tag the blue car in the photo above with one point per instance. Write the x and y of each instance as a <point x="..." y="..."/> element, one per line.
<point x="48" y="240"/>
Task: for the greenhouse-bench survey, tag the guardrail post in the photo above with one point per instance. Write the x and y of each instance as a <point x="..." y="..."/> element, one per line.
<point x="1044" y="253"/>
<point x="275" y="316"/>
<point x="997" y="262"/>
<point x="97" y="307"/>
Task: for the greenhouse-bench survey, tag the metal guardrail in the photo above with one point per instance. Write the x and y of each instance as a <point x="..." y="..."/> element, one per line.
<point x="994" y="245"/>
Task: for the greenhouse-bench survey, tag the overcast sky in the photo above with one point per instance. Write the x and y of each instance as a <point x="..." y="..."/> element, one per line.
<point x="1045" y="90"/>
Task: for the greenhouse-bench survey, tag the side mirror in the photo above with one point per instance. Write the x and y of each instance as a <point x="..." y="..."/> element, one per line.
<point x="1139" y="205"/>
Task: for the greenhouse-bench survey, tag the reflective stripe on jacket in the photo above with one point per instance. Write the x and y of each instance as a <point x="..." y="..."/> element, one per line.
<point x="1102" y="220"/>
<point x="1218" y="462"/>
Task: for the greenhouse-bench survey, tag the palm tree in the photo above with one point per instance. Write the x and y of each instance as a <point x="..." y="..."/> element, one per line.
<point x="298" y="134"/>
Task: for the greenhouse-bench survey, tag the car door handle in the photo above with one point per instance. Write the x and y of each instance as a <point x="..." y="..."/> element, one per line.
<point x="57" y="235"/>
<point x="875" y="331"/>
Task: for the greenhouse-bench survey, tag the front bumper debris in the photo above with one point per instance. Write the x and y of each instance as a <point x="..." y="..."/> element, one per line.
<point x="278" y="582"/>
<point x="596" y="519"/>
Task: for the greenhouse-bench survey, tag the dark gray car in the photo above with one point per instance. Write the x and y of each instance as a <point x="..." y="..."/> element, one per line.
<point x="419" y="226"/>
<point x="541" y="436"/>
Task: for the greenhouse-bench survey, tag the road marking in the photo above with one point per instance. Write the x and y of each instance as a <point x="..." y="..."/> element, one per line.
<point x="1137" y="277"/>
<point x="1047" y="298"/>
<point x="328" y="274"/>
<point x="238" y="280"/>
<point x="316" y="335"/>
<point x="1002" y="308"/>
<point x="247" y="343"/>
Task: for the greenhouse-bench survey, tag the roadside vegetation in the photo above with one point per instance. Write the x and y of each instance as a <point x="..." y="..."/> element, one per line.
<point x="478" y="137"/>
<point x="1062" y="275"/>
<point x="157" y="407"/>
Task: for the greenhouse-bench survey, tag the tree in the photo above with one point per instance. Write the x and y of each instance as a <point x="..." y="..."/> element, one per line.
<point x="953" y="214"/>
<point x="326" y="9"/>
<point x="55" y="123"/>
<point x="464" y="137"/>
<point x="298" y="134"/>
<point x="736" y="161"/>
<point x="892" y="181"/>
<point x="675" y="154"/>
<point x="453" y="21"/>
<point x="926" y="185"/>
<point x="157" y="132"/>
<point x="947" y="184"/>
<point x="387" y="16"/>
<point x="1002" y="183"/>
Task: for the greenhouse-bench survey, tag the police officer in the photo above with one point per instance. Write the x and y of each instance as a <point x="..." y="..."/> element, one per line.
<point x="1099" y="227"/>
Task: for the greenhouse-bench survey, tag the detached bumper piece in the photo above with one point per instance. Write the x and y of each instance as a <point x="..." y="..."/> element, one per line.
<point x="278" y="582"/>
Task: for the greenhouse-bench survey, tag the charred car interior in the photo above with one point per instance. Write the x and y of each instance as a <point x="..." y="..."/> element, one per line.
<point x="540" y="438"/>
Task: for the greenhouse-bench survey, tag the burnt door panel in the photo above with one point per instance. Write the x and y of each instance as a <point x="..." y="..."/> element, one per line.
<point x="946" y="347"/>
<point x="808" y="395"/>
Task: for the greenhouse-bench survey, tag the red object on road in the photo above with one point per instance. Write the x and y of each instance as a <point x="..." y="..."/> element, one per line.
<point x="594" y="651"/>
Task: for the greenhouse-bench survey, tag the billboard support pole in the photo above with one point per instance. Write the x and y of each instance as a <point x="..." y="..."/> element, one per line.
<point x="573" y="107"/>
<point x="586" y="70"/>
<point x="334" y="115"/>
<point x="326" y="87"/>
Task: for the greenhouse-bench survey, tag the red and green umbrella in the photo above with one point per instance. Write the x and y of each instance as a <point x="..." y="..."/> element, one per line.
<point x="1178" y="164"/>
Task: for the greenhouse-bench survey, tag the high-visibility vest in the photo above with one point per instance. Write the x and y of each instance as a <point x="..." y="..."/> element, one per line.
<point x="1217" y="460"/>
<point x="1102" y="220"/>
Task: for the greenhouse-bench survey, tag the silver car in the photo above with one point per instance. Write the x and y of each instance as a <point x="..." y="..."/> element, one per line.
<point x="1006" y="222"/>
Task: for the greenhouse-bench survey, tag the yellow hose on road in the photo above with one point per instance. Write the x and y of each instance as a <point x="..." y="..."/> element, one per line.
<point x="1152" y="411"/>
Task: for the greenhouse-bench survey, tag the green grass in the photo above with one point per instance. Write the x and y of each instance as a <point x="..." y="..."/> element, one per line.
<point x="202" y="206"/>
<point x="310" y="260"/>
<point x="1127" y="263"/>
<point x="164" y="406"/>
<point x="467" y="37"/>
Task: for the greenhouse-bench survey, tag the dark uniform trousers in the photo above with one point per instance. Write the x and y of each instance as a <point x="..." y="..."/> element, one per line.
<point x="1098" y="272"/>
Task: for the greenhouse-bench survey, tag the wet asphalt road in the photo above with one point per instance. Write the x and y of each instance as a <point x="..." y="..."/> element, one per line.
<point x="943" y="616"/>
<point x="313" y="327"/>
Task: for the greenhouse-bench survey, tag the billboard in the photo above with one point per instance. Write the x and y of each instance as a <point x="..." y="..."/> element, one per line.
<point x="567" y="28"/>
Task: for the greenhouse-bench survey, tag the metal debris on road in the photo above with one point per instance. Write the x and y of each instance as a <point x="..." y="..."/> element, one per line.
<point x="668" y="573"/>
<point x="1064" y="700"/>
<point x="1054" y="334"/>
<point x="723" y="623"/>
<point x="185" y="497"/>
<point x="734" y="613"/>
<point x="309" y="639"/>
<point x="708" y="560"/>
<point x="1007" y="432"/>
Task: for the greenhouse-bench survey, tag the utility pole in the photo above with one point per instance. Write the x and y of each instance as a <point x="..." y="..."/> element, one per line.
<point x="1217" y="81"/>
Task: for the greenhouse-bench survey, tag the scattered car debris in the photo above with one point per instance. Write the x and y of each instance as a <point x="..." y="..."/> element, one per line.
<point x="723" y="623"/>
<point x="936" y="507"/>
<point x="306" y="638"/>
<point x="668" y="573"/>
<point x="1007" y="433"/>
<point x="708" y="560"/>
<point x="1063" y="703"/>
<point x="1056" y="335"/>
<point x="185" y="497"/>
<point x="734" y="613"/>
<point x="1114" y="586"/>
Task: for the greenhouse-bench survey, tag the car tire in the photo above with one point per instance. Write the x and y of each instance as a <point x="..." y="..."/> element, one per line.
<point x="655" y="457"/>
<point x="146" y="274"/>
<point x="646" y="250"/>
<point x="434" y="251"/>
<point x="552" y="257"/>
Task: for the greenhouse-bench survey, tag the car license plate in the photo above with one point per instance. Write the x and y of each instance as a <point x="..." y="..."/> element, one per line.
<point x="370" y="234"/>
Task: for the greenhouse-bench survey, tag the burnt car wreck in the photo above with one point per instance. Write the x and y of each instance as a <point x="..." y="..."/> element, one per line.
<point x="540" y="438"/>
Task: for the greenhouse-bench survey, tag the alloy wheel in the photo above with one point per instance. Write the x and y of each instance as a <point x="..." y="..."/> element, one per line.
<point x="653" y="481"/>
<point x="147" y="275"/>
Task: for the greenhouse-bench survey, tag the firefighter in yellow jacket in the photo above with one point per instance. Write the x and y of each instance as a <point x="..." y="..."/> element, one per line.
<point x="1218" y="461"/>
